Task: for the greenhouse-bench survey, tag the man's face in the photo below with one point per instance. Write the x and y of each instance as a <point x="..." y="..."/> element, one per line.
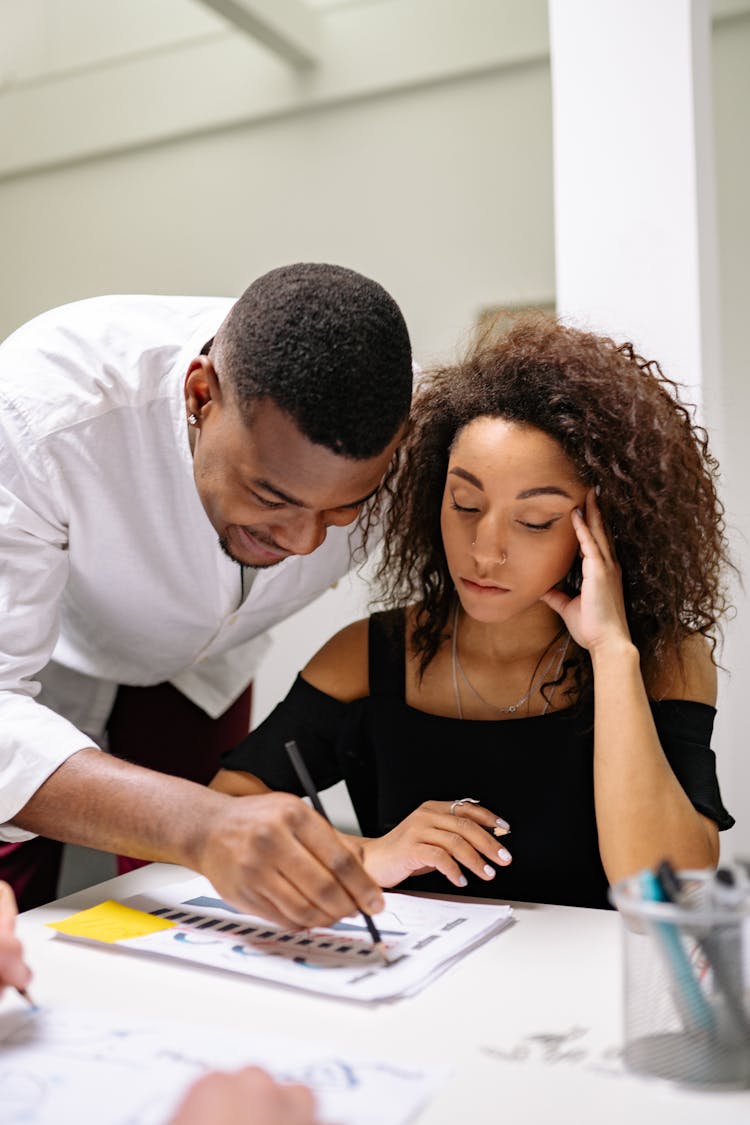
<point x="269" y="491"/>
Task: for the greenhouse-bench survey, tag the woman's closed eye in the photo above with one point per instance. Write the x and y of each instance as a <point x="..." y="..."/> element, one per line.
<point x="462" y="507"/>
<point x="539" y="526"/>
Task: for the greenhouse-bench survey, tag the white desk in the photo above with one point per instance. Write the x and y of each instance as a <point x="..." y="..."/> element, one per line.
<point x="555" y="972"/>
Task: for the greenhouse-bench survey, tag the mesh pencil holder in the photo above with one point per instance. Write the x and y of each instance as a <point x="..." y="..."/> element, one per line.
<point x="687" y="982"/>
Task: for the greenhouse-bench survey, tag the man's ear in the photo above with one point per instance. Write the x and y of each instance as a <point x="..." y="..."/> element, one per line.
<point x="202" y="390"/>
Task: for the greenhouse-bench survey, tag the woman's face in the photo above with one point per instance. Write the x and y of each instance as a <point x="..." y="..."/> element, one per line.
<point x="505" y="519"/>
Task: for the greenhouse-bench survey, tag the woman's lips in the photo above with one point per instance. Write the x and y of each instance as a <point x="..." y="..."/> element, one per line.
<point x="486" y="589"/>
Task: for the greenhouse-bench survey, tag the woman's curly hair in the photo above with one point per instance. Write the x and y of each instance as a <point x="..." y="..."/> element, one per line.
<point x="619" y="420"/>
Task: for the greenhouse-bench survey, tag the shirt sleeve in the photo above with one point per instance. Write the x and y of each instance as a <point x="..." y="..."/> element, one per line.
<point x="684" y="729"/>
<point x="34" y="741"/>
<point x="314" y="720"/>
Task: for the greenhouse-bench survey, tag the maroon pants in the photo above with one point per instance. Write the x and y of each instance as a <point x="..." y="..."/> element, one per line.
<point x="156" y="727"/>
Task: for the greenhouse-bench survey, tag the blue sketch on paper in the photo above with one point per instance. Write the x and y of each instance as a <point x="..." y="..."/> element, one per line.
<point x="195" y="939"/>
<point x="248" y="951"/>
<point x="212" y="903"/>
<point x="363" y="929"/>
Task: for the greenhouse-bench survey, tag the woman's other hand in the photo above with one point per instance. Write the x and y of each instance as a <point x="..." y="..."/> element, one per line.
<point x="433" y="839"/>
<point x="237" y="783"/>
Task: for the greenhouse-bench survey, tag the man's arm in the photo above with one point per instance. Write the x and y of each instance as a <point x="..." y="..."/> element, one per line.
<point x="268" y="854"/>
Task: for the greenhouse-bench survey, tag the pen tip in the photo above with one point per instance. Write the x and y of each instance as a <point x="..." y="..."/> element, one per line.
<point x="380" y="946"/>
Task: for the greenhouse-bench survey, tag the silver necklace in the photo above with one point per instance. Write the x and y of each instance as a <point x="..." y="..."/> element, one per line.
<point x="558" y="655"/>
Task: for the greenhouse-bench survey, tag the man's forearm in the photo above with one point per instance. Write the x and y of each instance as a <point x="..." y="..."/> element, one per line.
<point x="267" y="854"/>
<point x="102" y="802"/>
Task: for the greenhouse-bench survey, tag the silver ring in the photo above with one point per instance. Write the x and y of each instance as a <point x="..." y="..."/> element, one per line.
<point x="462" y="801"/>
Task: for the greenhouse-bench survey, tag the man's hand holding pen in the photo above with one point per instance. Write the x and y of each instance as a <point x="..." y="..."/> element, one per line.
<point x="272" y="855"/>
<point x="432" y="838"/>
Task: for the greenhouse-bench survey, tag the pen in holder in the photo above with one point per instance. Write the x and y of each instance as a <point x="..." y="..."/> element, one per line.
<point x="687" y="976"/>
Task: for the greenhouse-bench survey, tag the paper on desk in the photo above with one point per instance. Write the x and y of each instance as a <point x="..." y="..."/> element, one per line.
<point x="424" y="937"/>
<point x="73" y="1067"/>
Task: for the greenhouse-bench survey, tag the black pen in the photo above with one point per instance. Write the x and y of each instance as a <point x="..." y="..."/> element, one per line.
<point x="306" y="782"/>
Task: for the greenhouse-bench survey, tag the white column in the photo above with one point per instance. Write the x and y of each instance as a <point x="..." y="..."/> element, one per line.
<point x="636" y="233"/>
<point x="635" y="225"/>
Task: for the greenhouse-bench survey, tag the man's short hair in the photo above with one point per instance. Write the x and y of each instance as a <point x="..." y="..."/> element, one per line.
<point x="328" y="346"/>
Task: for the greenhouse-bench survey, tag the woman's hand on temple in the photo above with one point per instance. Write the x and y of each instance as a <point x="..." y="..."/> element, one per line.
<point x="596" y="617"/>
<point x="433" y="839"/>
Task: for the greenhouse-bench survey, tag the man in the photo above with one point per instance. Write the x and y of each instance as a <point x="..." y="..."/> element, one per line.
<point x="134" y="433"/>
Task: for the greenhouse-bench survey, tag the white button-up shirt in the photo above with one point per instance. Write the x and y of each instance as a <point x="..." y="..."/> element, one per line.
<point x="110" y="571"/>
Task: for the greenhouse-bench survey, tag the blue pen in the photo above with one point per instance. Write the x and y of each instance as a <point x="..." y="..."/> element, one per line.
<point x="722" y="943"/>
<point x="695" y="1009"/>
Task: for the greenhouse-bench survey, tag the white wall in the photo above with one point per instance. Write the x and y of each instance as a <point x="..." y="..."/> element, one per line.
<point x="731" y="79"/>
<point x="414" y="190"/>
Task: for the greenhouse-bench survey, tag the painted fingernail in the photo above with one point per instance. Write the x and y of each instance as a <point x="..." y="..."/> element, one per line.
<point x="489" y="871"/>
<point x="503" y="823"/>
<point x="578" y="512"/>
<point x="463" y="881"/>
<point x="504" y="854"/>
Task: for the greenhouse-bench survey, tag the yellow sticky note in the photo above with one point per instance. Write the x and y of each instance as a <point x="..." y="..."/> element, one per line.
<point x="111" y="921"/>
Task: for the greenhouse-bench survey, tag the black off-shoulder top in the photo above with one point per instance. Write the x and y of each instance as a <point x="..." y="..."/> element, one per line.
<point x="536" y="772"/>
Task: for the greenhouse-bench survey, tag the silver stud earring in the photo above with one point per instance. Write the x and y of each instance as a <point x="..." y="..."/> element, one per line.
<point x="192" y="420"/>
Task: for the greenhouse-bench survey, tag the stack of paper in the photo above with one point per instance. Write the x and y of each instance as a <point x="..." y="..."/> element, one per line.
<point x="70" y="1065"/>
<point x="189" y="921"/>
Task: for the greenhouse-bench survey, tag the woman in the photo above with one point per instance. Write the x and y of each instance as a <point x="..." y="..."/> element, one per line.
<point x="553" y="559"/>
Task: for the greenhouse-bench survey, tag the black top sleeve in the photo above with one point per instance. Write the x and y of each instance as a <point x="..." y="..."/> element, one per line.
<point x="333" y="739"/>
<point x="314" y="720"/>
<point x="684" y="729"/>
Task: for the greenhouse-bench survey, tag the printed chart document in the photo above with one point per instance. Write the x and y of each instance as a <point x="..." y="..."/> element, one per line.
<point x="73" y="1067"/>
<point x="189" y="921"/>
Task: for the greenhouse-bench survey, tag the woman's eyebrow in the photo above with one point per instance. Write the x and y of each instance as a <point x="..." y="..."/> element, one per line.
<point x="466" y="475"/>
<point x="544" y="490"/>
